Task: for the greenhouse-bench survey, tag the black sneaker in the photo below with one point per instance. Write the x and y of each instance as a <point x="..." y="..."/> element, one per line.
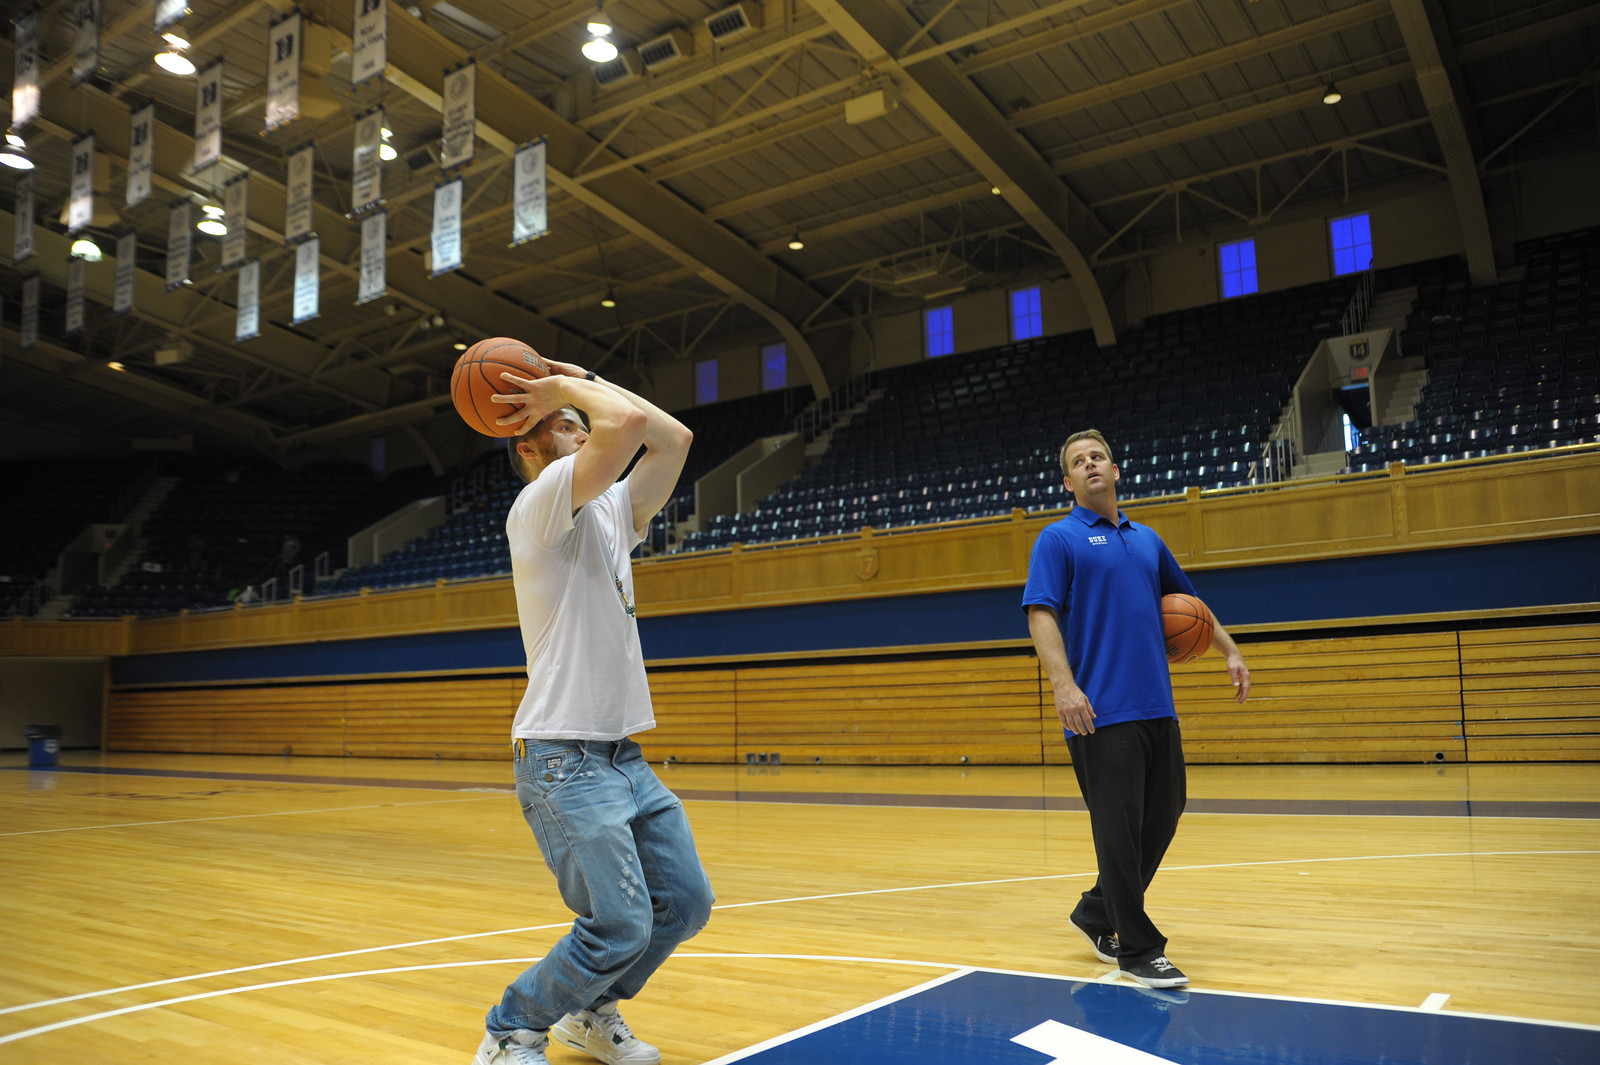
<point x="1157" y="972"/>
<point x="1104" y="945"/>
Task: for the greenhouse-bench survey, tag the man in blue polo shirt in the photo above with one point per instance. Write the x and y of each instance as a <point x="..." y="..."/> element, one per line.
<point x="1104" y="576"/>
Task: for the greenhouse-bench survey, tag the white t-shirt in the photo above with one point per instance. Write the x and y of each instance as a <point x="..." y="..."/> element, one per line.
<point x="574" y="585"/>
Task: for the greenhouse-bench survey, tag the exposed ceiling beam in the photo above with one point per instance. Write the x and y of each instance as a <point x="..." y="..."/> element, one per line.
<point x="946" y="99"/>
<point x="1450" y="126"/>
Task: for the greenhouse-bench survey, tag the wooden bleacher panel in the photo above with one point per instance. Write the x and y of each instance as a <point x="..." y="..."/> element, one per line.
<point x="1392" y="698"/>
<point x="695" y="716"/>
<point x="455" y="718"/>
<point x="893" y="712"/>
<point x="1532" y="694"/>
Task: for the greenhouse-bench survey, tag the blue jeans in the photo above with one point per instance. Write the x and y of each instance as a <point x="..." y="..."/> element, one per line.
<point x="620" y="847"/>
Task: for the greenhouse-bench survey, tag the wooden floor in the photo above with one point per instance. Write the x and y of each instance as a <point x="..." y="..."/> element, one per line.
<point x="204" y="909"/>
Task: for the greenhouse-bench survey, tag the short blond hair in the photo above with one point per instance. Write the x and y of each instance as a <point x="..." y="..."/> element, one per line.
<point x="1087" y="434"/>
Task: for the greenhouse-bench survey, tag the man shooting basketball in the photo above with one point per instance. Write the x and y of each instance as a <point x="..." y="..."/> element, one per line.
<point x="617" y="840"/>
<point x="1101" y="577"/>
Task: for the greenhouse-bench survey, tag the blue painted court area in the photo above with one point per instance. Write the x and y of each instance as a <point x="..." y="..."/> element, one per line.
<point x="975" y="1018"/>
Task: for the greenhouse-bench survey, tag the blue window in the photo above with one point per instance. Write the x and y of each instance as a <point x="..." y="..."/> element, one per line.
<point x="1352" y="244"/>
<point x="774" y="367"/>
<point x="705" y="381"/>
<point x="1027" y="319"/>
<point x="941" y="332"/>
<point x="1238" y="263"/>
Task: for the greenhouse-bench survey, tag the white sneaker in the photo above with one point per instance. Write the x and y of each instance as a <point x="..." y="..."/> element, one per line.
<point x="520" y="1048"/>
<point x="603" y="1034"/>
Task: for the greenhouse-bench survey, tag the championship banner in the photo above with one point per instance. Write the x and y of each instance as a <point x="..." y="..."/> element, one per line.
<point x="307" y="267"/>
<point x="247" y="323"/>
<point x="22" y="243"/>
<point x="85" y="39"/>
<point x="168" y="12"/>
<point x="530" y="215"/>
<point x="74" y="322"/>
<point x="374" y="257"/>
<point x="369" y="41"/>
<point x="283" y="72"/>
<point x="178" y="231"/>
<point x="25" y="88"/>
<point x="366" y="180"/>
<point x="208" y="116"/>
<point x="297" y="213"/>
<point x="235" y="215"/>
<point x="141" y="154"/>
<point x="80" y="201"/>
<point x="127" y="259"/>
<point x="458" y="107"/>
<point x="446" y="227"/>
<point x="29" y="327"/>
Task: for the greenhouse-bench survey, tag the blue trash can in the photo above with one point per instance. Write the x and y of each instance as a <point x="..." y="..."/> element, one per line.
<point x="44" y="745"/>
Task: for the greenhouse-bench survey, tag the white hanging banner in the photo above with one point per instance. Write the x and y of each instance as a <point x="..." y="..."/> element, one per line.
<point x="127" y="259"/>
<point x="141" y="154"/>
<point x="168" y="12"/>
<point x="22" y="243"/>
<point x="283" y="72"/>
<point x="208" y="116"/>
<point x="458" y="107"/>
<point x="247" y="324"/>
<point x="29" y="327"/>
<point x="446" y="247"/>
<point x="530" y="213"/>
<point x="178" y="231"/>
<point x="25" y="88"/>
<point x="85" y="39"/>
<point x="74" y="322"/>
<point x="80" y="201"/>
<point x="297" y="213"/>
<point x="366" y="180"/>
<point x="374" y="257"/>
<point x="369" y="41"/>
<point x="235" y="215"/>
<point x="306" y="270"/>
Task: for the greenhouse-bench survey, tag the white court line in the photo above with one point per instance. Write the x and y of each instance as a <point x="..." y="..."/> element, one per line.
<point x="239" y="817"/>
<point x="747" y="905"/>
<point x="1434" y="1001"/>
<point x="958" y="970"/>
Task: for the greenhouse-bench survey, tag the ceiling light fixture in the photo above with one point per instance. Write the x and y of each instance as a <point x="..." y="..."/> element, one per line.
<point x="994" y="190"/>
<point x="460" y="345"/>
<point x="386" y="151"/>
<point x="795" y="243"/>
<point x="213" y="226"/>
<point x="598" y="48"/>
<point x="173" y="61"/>
<point x="15" y="154"/>
<point x="115" y="366"/>
<point x="1332" y="96"/>
<point x="86" y="249"/>
<point x="610" y="299"/>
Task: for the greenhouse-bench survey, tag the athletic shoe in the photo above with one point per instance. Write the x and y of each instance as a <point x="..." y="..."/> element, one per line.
<point x="1158" y="972"/>
<point x="602" y="1033"/>
<point x="1104" y="945"/>
<point x="520" y="1048"/>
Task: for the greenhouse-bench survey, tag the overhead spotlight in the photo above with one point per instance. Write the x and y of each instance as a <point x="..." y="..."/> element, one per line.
<point x="386" y="151"/>
<point x="212" y="223"/>
<point x="598" y="48"/>
<point x="116" y="366"/>
<point x="15" y="154"/>
<point x="609" y="300"/>
<point x="460" y="345"/>
<point x="795" y="243"/>
<point x="994" y="190"/>
<point x="1332" y="96"/>
<point x="86" y="249"/>
<point x="173" y="60"/>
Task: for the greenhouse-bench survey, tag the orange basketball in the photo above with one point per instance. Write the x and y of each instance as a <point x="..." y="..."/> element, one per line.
<point x="1188" y="625"/>
<point x="477" y="377"/>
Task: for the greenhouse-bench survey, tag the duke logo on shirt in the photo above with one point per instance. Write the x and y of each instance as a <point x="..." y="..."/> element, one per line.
<point x="1097" y="539"/>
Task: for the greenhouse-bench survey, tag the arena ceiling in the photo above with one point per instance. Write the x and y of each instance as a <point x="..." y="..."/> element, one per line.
<point x="916" y="149"/>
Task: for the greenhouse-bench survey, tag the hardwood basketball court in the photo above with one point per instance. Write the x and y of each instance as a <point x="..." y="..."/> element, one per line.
<point x="168" y="908"/>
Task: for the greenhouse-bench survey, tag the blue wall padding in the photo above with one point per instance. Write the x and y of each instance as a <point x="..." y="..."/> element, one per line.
<point x="1491" y="577"/>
